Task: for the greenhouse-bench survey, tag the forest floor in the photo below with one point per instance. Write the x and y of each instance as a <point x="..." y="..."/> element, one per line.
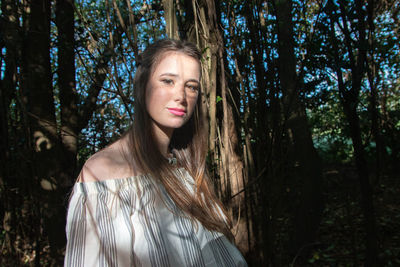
<point x="340" y="240"/>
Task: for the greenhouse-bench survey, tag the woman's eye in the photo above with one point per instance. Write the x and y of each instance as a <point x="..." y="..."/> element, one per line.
<point x="167" y="81"/>
<point x="193" y="87"/>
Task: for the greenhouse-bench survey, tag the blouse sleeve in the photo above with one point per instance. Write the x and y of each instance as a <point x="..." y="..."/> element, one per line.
<point x="98" y="228"/>
<point x="76" y="230"/>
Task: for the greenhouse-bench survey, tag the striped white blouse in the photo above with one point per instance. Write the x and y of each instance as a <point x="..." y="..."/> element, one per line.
<point x="125" y="222"/>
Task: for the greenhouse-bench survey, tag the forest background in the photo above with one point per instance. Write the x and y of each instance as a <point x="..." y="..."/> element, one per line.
<point x="302" y="99"/>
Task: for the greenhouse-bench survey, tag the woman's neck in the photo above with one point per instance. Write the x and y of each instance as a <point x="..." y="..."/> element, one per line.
<point x="163" y="138"/>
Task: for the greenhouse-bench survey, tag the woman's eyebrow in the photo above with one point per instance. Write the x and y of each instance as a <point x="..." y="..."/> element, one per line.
<point x="176" y="75"/>
<point x="193" y="80"/>
<point x="169" y="74"/>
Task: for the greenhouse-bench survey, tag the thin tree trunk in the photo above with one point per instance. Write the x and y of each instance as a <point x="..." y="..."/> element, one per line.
<point x="233" y="166"/>
<point x="349" y="99"/>
<point x="170" y="19"/>
<point x="39" y="87"/>
<point x="66" y="82"/>
<point x="373" y="105"/>
<point x="261" y="107"/>
<point x="8" y="84"/>
<point x="309" y="211"/>
<point x="249" y="164"/>
<point x="366" y="189"/>
<point x="200" y="28"/>
<point x="43" y="132"/>
<point x="208" y="36"/>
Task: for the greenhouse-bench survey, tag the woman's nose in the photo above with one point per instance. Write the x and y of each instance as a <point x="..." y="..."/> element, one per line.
<point x="180" y="93"/>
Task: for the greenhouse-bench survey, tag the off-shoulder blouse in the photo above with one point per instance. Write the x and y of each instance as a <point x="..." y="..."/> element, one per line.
<point x="133" y="222"/>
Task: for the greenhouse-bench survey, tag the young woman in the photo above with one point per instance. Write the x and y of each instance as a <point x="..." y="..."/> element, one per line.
<point x="146" y="199"/>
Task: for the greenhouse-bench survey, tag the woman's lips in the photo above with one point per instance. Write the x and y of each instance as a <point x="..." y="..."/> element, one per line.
<point x="177" y="111"/>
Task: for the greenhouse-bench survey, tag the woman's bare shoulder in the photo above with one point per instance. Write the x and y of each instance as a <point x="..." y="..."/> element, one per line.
<point x="108" y="163"/>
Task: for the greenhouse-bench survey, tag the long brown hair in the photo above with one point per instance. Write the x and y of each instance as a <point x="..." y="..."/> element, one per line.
<point x="188" y="144"/>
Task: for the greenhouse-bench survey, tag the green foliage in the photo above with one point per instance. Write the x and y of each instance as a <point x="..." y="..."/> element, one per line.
<point x="251" y="41"/>
<point x="330" y="130"/>
<point x="112" y="116"/>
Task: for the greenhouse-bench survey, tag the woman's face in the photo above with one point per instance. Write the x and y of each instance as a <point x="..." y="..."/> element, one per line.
<point x="172" y="91"/>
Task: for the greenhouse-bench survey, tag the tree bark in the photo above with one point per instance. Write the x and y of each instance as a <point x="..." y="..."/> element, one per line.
<point x="257" y="49"/>
<point x="204" y="30"/>
<point x="38" y="90"/>
<point x="197" y="25"/>
<point x="373" y="80"/>
<point x="66" y="82"/>
<point x="232" y="164"/>
<point x="171" y="22"/>
<point x="350" y="99"/>
<point x="309" y="211"/>
<point x="10" y="33"/>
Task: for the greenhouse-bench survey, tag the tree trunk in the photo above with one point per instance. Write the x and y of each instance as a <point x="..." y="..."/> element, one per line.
<point x="45" y="155"/>
<point x="248" y="159"/>
<point x="196" y="28"/>
<point x="309" y="211"/>
<point x="350" y="99"/>
<point x="171" y="23"/>
<point x="257" y="50"/>
<point x="231" y="161"/>
<point x="373" y="80"/>
<point x="350" y="109"/>
<point x="66" y="82"/>
<point x="259" y="57"/>
<point x="223" y="144"/>
<point x="10" y="32"/>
